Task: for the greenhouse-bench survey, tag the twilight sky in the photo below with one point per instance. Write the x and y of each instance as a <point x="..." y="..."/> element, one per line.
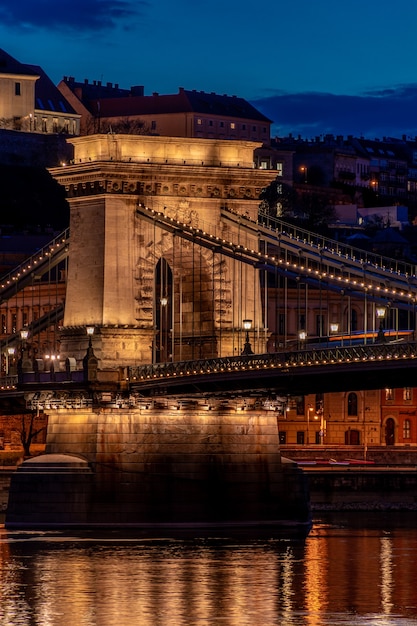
<point x="312" y="67"/>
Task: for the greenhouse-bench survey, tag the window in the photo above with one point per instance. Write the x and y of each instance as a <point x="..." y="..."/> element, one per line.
<point x="243" y="126"/>
<point x="300" y="405"/>
<point x="232" y="125"/>
<point x="199" y="121"/>
<point x="17" y="89"/>
<point x="264" y="165"/>
<point x="153" y="125"/>
<point x="210" y="122"/>
<point x="319" y="403"/>
<point x="352" y="404"/>
<point x="254" y="128"/>
<point x="300" y="437"/>
<point x="407" y="429"/>
<point x="282" y="437"/>
<point x="407" y="393"/>
<point x="221" y="124"/>
<point x="279" y="169"/>
<point x="389" y="394"/>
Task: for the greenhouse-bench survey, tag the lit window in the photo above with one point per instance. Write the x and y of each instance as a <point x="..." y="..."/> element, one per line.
<point x="279" y="169"/>
<point x="232" y="125"/>
<point x="199" y="121"/>
<point x="17" y="89"/>
<point x="264" y="165"/>
<point x="389" y="395"/>
<point x="407" y="393"/>
<point x="407" y="429"/>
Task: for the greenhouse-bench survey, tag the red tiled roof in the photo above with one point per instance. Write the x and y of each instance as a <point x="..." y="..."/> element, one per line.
<point x="183" y="102"/>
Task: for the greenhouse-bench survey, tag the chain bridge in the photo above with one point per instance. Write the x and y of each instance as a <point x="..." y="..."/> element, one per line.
<point x="172" y="289"/>
<point x="291" y="256"/>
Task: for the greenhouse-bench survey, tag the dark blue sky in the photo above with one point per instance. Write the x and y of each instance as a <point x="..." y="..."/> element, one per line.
<point x="344" y="68"/>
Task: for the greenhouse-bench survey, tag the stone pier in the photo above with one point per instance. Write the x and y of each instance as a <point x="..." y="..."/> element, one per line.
<point x="170" y="466"/>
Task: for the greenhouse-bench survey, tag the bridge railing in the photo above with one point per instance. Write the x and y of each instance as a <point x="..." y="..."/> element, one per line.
<point x="336" y="247"/>
<point x="328" y="356"/>
<point x="37" y="264"/>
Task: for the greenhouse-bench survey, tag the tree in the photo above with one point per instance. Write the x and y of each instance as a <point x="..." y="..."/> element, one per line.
<point x="315" y="210"/>
<point x="28" y="431"/>
<point x="277" y="200"/>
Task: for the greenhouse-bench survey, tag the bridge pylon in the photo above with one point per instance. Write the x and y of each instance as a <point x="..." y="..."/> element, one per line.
<point x="141" y="279"/>
<point x="151" y="294"/>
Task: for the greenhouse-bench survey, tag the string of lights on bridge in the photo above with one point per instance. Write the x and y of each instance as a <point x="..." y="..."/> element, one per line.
<point x="30" y="264"/>
<point x="339" y="280"/>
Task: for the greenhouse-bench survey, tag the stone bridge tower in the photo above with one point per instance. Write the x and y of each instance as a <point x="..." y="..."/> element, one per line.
<point x="150" y="295"/>
<point x="153" y="295"/>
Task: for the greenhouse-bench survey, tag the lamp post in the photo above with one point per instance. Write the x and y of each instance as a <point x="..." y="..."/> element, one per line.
<point x="302" y="336"/>
<point x="380" y="315"/>
<point x="320" y="415"/>
<point x="90" y="361"/>
<point x="304" y="170"/>
<point x="309" y="411"/>
<point x="10" y="366"/>
<point x="247" y="348"/>
<point x="90" y="333"/>
<point x="164" y="330"/>
<point x="334" y="328"/>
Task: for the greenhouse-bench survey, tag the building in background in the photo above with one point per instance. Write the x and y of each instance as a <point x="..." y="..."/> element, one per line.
<point x="30" y="102"/>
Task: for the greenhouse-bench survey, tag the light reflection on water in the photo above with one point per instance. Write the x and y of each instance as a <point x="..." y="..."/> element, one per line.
<point x="349" y="571"/>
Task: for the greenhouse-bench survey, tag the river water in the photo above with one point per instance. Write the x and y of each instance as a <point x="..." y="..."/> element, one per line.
<point x="352" y="569"/>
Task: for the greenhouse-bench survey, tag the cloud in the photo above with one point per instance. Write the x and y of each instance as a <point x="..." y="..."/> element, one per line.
<point x="68" y="15"/>
<point x="385" y="112"/>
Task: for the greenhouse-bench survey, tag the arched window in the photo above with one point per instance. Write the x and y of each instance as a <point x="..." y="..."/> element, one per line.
<point x="352" y="404"/>
<point x="390" y="432"/>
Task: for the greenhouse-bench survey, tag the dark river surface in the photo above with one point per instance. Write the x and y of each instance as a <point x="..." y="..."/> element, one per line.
<point x="352" y="569"/>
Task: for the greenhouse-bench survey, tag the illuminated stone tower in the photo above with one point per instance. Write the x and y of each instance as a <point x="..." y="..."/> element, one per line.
<point x="149" y="295"/>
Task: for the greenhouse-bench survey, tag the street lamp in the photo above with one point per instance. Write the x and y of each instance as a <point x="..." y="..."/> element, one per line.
<point x="309" y="411"/>
<point x="90" y="333"/>
<point x="302" y="336"/>
<point x="10" y="369"/>
<point x="247" y="348"/>
<point x="380" y="314"/>
<point x="304" y="169"/>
